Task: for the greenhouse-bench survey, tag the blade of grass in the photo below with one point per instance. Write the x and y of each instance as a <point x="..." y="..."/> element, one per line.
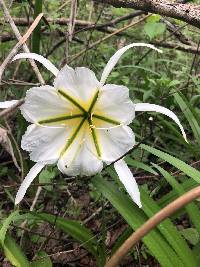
<point x="169" y="231"/>
<point x="172" y="195"/>
<point x="135" y="217"/>
<point x="179" y="164"/>
<point x="192" y="209"/>
<point x="189" y="114"/>
<point x="14" y="253"/>
<point x="6" y="224"/>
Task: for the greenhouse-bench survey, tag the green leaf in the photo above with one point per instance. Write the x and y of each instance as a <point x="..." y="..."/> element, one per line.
<point x="138" y="164"/>
<point x="187" y="169"/>
<point x="36" y="38"/>
<point x="191" y="235"/>
<point x="196" y="253"/>
<point x="6" y="224"/>
<point x="154" y="18"/>
<point x="43" y="262"/>
<point x="166" y="199"/>
<point x="73" y="228"/>
<point x="14" y="253"/>
<point x="192" y="209"/>
<point x="135" y="217"/>
<point x="153" y="29"/>
<point x="47" y="177"/>
<point x="169" y="231"/>
<point x="189" y="114"/>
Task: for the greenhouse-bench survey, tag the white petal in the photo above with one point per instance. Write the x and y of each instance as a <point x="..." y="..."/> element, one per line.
<point x="114" y="103"/>
<point x="115" y="142"/>
<point x="81" y="83"/>
<point x="44" y="103"/>
<point x="45" y="144"/>
<point x="8" y="104"/>
<point x="45" y="62"/>
<point x="129" y="182"/>
<point x="160" y="109"/>
<point x="85" y="163"/>
<point x="114" y="59"/>
<point x="81" y="157"/>
<point x="28" y="180"/>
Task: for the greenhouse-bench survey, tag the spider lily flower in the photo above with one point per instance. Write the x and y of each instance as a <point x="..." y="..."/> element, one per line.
<point x="81" y="122"/>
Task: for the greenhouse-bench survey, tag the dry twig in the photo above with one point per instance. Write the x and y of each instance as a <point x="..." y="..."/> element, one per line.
<point x="21" y="42"/>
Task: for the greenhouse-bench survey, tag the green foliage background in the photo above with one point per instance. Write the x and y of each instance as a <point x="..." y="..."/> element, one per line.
<point x="162" y="165"/>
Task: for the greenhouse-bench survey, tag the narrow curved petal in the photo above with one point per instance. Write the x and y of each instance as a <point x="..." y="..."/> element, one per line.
<point x="45" y="144"/>
<point x="129" y="182"/>
<point x="45" y="62"/>
<point x="114" y="103"/>
<point x="114" y="59"/>
<point x="8" y="104"/>
<point x="28" y="180"/>
<point x="80" y="83"/>
<point x="81" y="157"/>
<point x="160" y="109"/>
<point x="115" y="142"/>
<point x="43" y="103"/>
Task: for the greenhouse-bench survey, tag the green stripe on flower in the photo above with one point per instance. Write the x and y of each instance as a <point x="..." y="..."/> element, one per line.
<point x="71" y="99"/>
<point x="94" y="100"/>
<point x="61" y="118"/>
<point x="94" y="136"/>
<point x="71" y="139"/>
<point x="103" y="118"/>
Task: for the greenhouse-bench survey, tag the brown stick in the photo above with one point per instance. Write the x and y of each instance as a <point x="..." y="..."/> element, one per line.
<point x="107" y="37"/>
<point x="185" y="12"/>
<point x="8" y="111"/>
<point x="16" y="48"/>
<point x="18" y="36"/>
<point x="180" y="47"/>
<point x="151" y="224"/>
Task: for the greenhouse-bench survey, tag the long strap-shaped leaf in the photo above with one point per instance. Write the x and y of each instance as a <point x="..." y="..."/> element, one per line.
<point x="179" y="164"/>
<point x="169" y="231"/>
<point x="192" y="209"/>
<point x="135" y="217"/>
<point x="14" y="253"/>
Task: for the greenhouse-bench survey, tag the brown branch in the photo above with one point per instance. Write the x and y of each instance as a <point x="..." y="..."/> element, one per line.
<point x="107" y="37"/>
<point x="180" y="47"/>
<point x="18" y="36"/>
<point x="21" y="42"/>
<point x="6" y="37"/>
<point x="6" y="112"/>
<point x="85" y="25"/>
<point x="185" y="12"/>
<point x="151" y="224"/>
<point x="59" y="21"/>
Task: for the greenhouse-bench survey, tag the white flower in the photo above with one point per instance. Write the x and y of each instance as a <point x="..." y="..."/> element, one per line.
<point x="79" y="123"/>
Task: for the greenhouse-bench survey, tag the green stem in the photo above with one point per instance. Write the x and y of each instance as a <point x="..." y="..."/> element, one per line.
<point x="37" y="31"/>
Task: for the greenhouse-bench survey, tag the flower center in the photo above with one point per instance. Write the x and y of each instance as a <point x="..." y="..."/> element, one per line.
<point x="85" y="113"/>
